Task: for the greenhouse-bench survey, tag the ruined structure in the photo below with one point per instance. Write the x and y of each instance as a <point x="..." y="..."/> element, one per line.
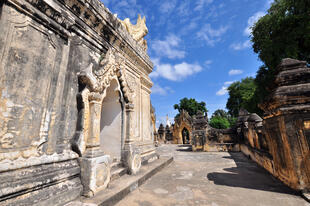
<point x="199" y="134"/>
<point x="74" y="100"/>
<point x="285" y="132"/>
<point x="208" y="139"/>
<point x="182" y="128"/>
<point x="253" y="142"/>
<point x="161" y="133"/>
<point x="280" y="142"/>
<point x="169" y="133"/>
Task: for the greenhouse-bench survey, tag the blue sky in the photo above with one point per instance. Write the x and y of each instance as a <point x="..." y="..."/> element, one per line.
<point x="198" y="47"/>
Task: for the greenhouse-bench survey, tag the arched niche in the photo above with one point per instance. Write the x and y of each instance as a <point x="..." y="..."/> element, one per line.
<point x="112" y="121"/>
<point x="185" y="136"/>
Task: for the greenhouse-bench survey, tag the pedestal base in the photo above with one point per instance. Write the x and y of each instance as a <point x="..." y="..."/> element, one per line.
<point x="95" y="174"/>
<point x="132" y="159"/>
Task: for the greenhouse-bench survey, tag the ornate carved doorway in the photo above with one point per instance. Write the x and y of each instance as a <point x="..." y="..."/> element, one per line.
<point x="111" y="122"/>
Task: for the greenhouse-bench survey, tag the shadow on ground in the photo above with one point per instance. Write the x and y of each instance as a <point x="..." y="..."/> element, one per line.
<point x="248" y="175"/>
<point x="184" y="148"/>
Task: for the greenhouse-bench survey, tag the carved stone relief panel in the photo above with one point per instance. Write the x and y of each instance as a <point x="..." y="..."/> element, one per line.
<point x="134" y="86"/>
<point x="146" y="115"/>
<point x="29" y="53"/>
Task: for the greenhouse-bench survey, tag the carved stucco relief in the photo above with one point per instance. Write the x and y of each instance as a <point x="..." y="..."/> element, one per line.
<point x="23" y="141"/>
<point x="97" y="80"/>
<point x="134" y="88"/>
<point x="138" y="31"/>
<point x="111" y="66"/>
<point x="146" y="115"/>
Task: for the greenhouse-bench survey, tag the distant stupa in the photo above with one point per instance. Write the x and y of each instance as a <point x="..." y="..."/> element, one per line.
<point x="168" y="121"/>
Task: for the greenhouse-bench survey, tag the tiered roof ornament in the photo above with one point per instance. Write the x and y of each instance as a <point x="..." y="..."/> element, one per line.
<point x="200" y="124"/>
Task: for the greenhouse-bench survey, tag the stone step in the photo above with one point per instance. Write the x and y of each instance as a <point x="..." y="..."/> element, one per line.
<point x="116" y="165"/>
<point x="117" y="173"/>
<point x="120" y="187"/>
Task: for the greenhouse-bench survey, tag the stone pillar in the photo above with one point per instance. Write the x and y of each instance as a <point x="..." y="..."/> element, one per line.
<point x="130" y="155"/>
<point x="95" y="167"/>
<point x="93" y="140"/>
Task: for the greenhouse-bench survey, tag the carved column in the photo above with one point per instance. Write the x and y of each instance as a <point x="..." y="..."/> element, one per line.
<point x="93" y="141"/>
<point x="129" y="123"/>
<point x="95" y="167"/>
<point x="131" y="155"/>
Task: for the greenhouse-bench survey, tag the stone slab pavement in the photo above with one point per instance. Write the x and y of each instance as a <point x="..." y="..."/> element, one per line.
<point x="211" y="179"/>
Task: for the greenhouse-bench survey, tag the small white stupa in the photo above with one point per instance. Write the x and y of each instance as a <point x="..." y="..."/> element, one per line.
<point x="168" y="121"/>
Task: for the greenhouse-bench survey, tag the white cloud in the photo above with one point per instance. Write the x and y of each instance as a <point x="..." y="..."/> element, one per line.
<point x="175" y="72"/>
<point x="157" y="89"/>
<point x="191" y="24"/>
<point x="208" y="62"/>
<point x="201" y="3"/>
<point x="125" y="9"/>
<point x="251" y="21"/>
<point x="224" y="88"/>
<point x="156" y="61"/>
<point x="240" y="46"/>
<point x="168" y="47"/>
<point x="167" y="6"/>
<point x="228" y="83"/>
<point x="235" y="72"/>
<point x="222" y="91"/>
<point x="183" y="9"/>
<point x="269" y="3"/>
<point x="211" y="35"/>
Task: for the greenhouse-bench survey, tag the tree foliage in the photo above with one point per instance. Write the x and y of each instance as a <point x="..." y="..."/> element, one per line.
<point x="241" y="95"/>
<point x="284" y="32"/>
<point x="219" y="122"/>
<point x="191" y="106"/>
<point x="220" y="118"/>
<point x="220" y="113"/>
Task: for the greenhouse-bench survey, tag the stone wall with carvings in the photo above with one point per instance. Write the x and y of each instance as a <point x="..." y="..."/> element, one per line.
<point x="57" y="58"/>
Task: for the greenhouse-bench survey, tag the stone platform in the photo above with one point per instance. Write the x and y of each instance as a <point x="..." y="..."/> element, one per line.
<point x="119" y="188"/>
<point x="212" y="179"/>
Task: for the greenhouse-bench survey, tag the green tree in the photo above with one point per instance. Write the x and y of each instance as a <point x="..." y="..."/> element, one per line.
<point x="191" y="106"/>
<point x="241" y="95"/>
<point x="220" y="113"/>
<point x="284" y="32"/>
<point x="219" y="122"/>
<point x="219" y="117"/>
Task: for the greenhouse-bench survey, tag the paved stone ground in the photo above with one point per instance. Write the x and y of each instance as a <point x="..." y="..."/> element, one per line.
<point x="214" y="179"/>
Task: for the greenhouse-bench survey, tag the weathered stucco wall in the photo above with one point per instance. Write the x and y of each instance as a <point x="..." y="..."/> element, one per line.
<point x="182" y="121"/>
<point x="37" y="112"/>
<point x="286" y="118"/>
<point x="281" y="141"/>
<point x="44" y="46"/>
<point x="208" y="139"/>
